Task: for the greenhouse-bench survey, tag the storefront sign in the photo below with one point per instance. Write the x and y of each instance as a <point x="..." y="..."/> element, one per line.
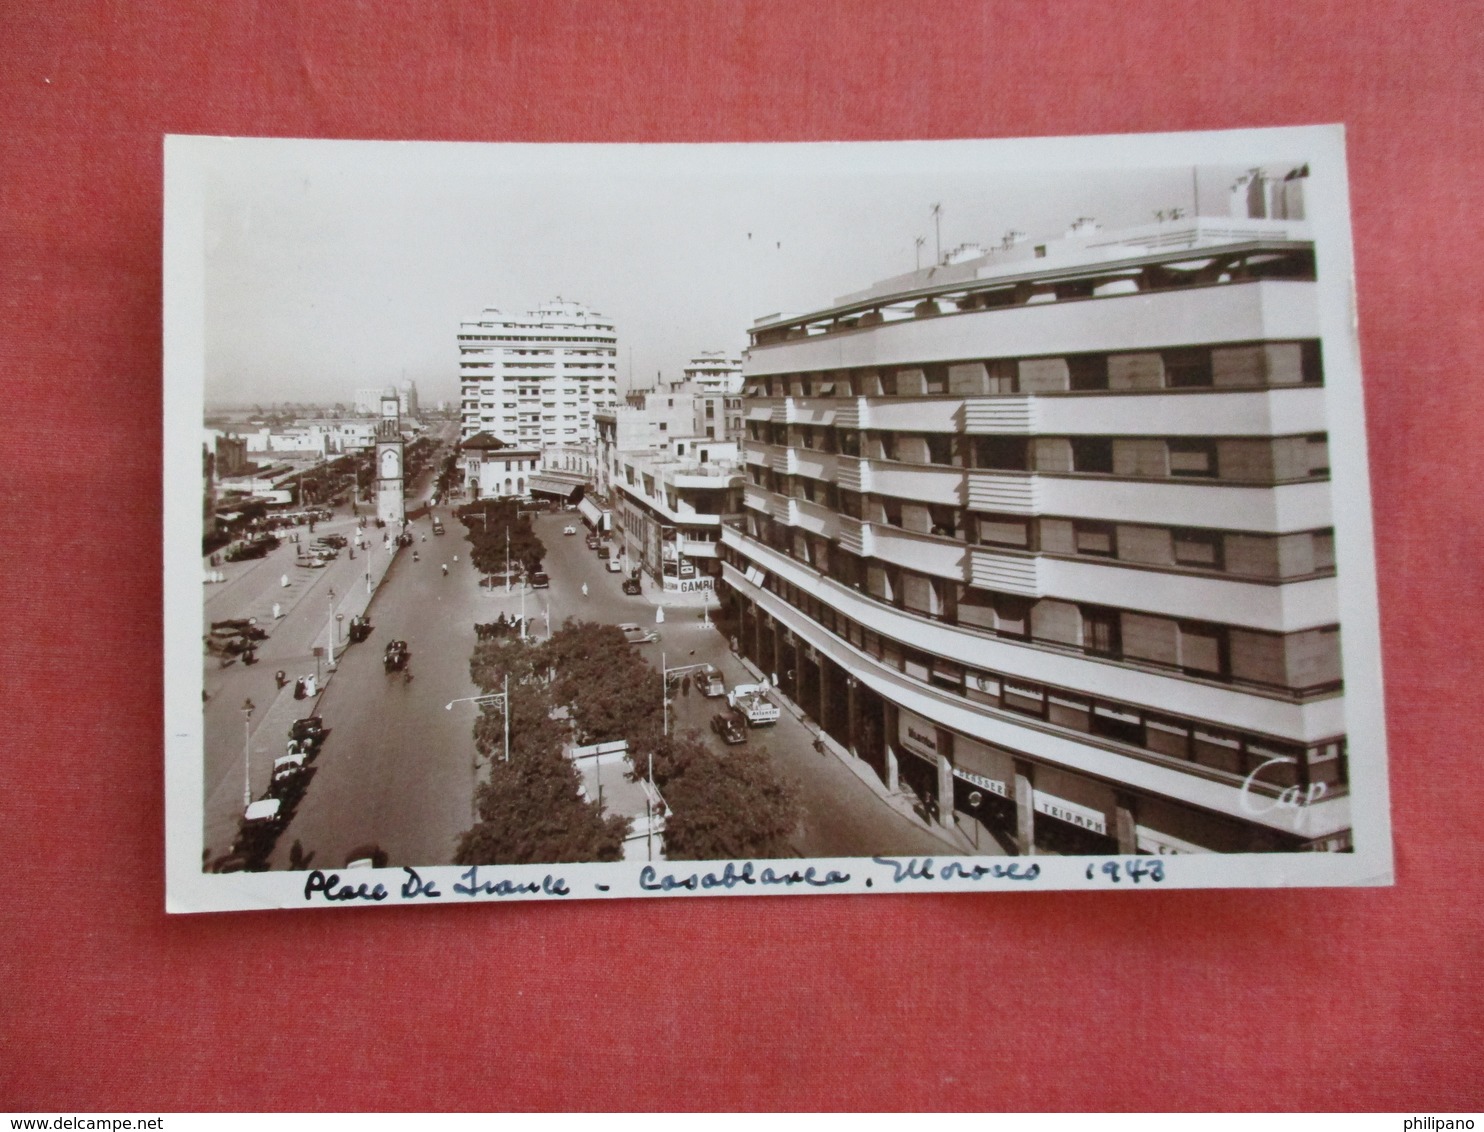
<point x="917" y="735"/>
<point x="993" y="785"/>
<point x="1083" y="817"/>
<point x="687" y="585"/>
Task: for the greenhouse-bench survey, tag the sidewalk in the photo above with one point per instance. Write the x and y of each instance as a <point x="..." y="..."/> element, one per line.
<point x="903" y="802"/>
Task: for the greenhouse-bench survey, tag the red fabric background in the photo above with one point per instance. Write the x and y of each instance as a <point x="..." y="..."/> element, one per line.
<point x="1307" y="999"/>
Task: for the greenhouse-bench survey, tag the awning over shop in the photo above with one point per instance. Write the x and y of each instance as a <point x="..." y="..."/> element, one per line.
<point x="561" y="487"/>
<point x="596" y="517"/>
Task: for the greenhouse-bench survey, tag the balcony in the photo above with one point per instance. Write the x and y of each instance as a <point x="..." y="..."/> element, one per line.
<point x="999" y="415"/>
<point x="918" y="551"/>
<point x="783" y="461"/>
<point x="855" y="537"/>
<point x="853" y="473"/>
<point x="816" y="465"/>
<point x="782" y="509"/>
<point x="815" y="518"/>
<point x="1004" y="572"/>
<point x="853" y="413"/>
<point x="784" y="411"/>
<point x="755" y="498"/>
<point x="925" y="483"/>
<point x="1010" y="493"/>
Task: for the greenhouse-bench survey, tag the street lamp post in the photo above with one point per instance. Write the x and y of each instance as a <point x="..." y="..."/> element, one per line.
<point x="330" y="628"/>
<point x="504" y="699"/>
<point x="247" y="709"/>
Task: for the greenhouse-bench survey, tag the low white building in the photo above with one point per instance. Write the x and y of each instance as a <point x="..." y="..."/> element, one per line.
<point x="496" y="468"/>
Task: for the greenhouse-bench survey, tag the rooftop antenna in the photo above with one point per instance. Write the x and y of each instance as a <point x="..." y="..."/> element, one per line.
<point x="920" y="241"/>
<point x="938" y="232"/>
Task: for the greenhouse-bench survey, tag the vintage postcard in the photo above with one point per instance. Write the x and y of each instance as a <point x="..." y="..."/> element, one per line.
<point x="580" y="521"/>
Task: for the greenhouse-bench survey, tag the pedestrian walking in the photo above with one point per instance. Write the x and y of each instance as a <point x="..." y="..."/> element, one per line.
<point x="277" y="611"/>
<point x="283" y="580"/>
<point x="584" y="589"/>
<point x="445" y="569"/>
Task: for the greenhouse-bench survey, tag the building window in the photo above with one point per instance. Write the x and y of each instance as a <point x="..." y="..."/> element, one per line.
<point x="1092" y="454"/>
<point x="1187" y="369"/>
<point x="1094" y="538"/>
<point x="1192" y="458"/>
<point x="1005" y="530"/>
<point x="1005" y="453"/>
<point x="1201" y="549"/>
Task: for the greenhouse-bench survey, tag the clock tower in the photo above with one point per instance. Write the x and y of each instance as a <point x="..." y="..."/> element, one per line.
<point x="389" y="505"/>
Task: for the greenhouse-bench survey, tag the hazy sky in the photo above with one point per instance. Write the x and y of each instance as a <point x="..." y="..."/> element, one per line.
<point x="331" y="266"/>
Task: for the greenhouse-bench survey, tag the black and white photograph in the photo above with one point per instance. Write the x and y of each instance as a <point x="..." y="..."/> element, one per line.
<point x="591" y="521"/>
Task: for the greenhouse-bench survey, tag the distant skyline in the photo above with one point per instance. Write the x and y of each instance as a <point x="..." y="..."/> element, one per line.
<point x="335" y="266"/>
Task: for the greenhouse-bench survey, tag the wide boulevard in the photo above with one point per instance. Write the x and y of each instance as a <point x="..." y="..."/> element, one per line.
<point x="399" y="768"/>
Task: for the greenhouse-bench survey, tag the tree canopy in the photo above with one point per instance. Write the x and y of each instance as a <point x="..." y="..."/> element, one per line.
<point x="487" y="523"/>
<point x="731" y="805"/>
<point x="612" y="691"/>
<point x="724" y="806"/>
<point x="530" y="813"/>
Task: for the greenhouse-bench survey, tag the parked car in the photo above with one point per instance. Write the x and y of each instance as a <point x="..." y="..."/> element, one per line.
<point x="631" y="586"/>
<point x="333" y="540"/>
<point x="593" y="541"/>
<point x="614" y="566"/>
<point x="729" y="727"/>
<point x="311" y="728"/>
<point x="604" y="552"/>
<point x="636" y="634"/>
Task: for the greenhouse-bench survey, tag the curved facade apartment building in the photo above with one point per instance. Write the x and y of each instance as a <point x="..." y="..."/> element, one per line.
<point x="1044" y="535"/>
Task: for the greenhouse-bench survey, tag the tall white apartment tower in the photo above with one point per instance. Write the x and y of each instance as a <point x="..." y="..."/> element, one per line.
<point x="535" y="379"/>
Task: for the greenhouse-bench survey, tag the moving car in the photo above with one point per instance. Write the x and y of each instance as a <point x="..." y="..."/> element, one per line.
<point x="569" y="529"/>
<point x="394" y="659"/>
<point x="437" y="526"/>
<point x="631" y="586"/>
<point x="753" y="701"/>
<point x="614" y="566"/>
<point x="729" y="726"/>
<point x="636" y="634"/>
<point x="540" y="580"/>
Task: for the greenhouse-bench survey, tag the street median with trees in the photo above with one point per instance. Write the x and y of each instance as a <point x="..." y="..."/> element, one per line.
<point x="586" y="684"/>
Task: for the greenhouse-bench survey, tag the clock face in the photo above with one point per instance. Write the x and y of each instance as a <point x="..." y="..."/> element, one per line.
<point x="389" y="464"/>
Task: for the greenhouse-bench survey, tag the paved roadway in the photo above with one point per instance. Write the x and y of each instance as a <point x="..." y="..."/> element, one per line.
<point x="398" y="769"/>
<point x="844" y="816"/>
